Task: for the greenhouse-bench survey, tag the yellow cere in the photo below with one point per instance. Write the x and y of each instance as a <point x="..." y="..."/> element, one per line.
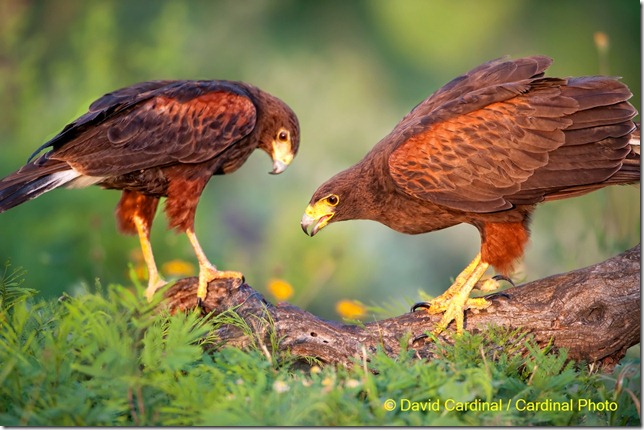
<point x="282" y="152"/>
<point x="319" y="210"/>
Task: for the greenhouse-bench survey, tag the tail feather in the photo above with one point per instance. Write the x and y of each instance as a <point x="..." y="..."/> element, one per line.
<point x="31" y="181"/>
<point x="628" y="174"/>
<point x="635" y="141"/>
<point x="630" y="171"/>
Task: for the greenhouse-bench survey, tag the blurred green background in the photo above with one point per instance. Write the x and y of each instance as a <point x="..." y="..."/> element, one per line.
<point x="350" y="70"/>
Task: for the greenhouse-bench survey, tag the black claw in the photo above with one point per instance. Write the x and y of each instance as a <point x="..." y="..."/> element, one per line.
<point x="498" y="294"/>
<point x="199" y="303"/>
<point x="420" y="305"/>
<point x="419" y="337"/>
<point x="503" y="278"/>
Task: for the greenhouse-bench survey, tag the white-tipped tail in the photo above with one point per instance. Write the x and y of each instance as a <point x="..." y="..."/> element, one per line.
<point x="635" y="144"/>
<point x="24" y="185"/>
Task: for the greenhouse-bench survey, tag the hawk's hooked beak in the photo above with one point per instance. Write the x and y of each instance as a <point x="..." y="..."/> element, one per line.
<point x="278" y="167"/>
<point x="317" y="215"/>
<point x="282" y="156"/>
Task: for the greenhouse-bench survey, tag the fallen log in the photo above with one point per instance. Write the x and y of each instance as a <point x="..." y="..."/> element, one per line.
<point x="593" y="312"/>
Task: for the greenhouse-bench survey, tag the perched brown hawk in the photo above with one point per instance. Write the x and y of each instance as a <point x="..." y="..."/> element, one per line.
<point x="484" y="150"/>
<point x="160" y="139"/>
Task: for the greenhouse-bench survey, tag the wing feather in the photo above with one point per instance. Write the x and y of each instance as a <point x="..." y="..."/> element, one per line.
<point x="481" y="86"/>
<point x="155" y="124"/>
<point x="508" y="143"/>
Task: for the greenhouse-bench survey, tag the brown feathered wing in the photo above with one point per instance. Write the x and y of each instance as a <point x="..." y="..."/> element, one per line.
<point x="504" y="135"/>
<point x="149" y="125"/>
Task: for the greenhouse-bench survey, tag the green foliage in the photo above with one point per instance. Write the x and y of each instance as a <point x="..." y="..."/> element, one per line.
<point x="484" y="380"/>
<point x="11" y="289"/>
<point x="113" y="359"/>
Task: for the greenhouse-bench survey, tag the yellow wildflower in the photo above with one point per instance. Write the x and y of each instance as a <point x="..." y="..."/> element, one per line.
<point x="352" y="383"/>
<point x="327" y="381"/>
<point x="178" y="268"/>
<point x="141" y="271"/>
<point x="350" y="309"/>
<point x="601" y="40"/>
<point x="280" y="289"/>
<point x="327" y="384"/>
<point x="281" y="386"/>
<point x="139" y="267"/>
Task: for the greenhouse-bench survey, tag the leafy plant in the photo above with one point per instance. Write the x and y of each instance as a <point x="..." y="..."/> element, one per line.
<point x="111" y="358"/>
<point x="11" y="291"/>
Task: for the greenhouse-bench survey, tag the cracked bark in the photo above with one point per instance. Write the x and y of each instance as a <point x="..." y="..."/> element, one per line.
<point x="594" y="312"/>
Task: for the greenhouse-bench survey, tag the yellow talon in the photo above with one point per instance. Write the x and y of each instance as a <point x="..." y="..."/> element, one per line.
<point x="209" y="273"/>
<point x="456" y="300"/>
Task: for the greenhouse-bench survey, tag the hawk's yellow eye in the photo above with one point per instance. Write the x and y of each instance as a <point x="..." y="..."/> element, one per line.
<point x="332" y="200"/>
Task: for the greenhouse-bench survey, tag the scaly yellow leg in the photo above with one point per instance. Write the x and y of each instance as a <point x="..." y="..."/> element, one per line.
<point x="154" y="280"/>
<point x="207" y="271"/>
<point x="456" y="300"/>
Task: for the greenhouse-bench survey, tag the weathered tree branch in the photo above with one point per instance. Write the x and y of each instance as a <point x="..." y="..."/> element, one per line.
<point x="593" y="312"/>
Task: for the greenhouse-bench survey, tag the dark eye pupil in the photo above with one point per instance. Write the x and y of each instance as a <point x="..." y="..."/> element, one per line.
<point x="333" y="200"/>
<point x="282" y="135"/>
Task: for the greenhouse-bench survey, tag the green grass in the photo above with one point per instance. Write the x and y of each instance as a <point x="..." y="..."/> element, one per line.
<point x="110" y="358"/>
